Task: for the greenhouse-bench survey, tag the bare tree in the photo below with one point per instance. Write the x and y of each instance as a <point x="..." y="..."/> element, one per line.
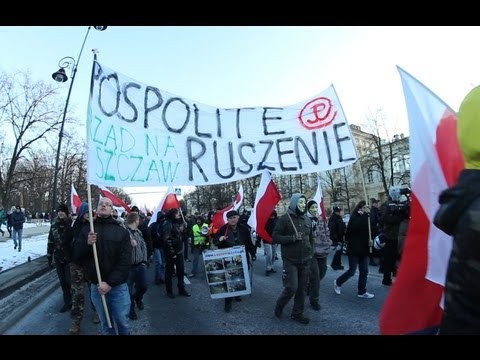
<point x="72" y="170"/>
<point x="383" y="156"/>
<point x="250" y="186"/>
<point x="29" y="110"/>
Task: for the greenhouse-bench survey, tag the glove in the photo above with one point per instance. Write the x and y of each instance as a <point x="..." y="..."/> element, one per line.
<point x="50" y="262"/>
<point x="298" y="237"/>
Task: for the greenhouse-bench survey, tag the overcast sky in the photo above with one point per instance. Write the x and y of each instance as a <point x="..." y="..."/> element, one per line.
<point x="260" y="66"/>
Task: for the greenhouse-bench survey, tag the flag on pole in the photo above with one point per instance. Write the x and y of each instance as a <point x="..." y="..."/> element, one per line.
<point x="318" y="198"/>
<point x="220" y="217"/>
<point x="75" y="201"/>
<point x="266" y="199"/>
<point x="415" y="300"/>
<point x="169" y="201"/>
<point x="115" y="199"/>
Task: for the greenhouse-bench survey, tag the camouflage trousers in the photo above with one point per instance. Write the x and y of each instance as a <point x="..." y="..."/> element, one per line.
<point x="77" y="275"/>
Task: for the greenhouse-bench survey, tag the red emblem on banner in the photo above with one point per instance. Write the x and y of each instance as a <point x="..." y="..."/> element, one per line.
<point x="317" y="113"/>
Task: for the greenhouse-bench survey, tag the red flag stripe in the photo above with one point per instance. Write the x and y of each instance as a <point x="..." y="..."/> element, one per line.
<point x="265" y="201"/>
<point x="266" y="205"/>
<point x="75" y="201"/>
<point x="115" y="199"/>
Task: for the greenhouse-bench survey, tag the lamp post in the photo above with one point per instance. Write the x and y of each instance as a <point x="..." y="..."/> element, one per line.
<point x="61" y="76"/>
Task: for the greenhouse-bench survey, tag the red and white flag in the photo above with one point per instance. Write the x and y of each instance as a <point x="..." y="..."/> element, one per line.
<point x="415" y="300"/>
<point x="220" y="217"/>
<point x="265" y="201"/>
<point x="318" y="198"/>
<point x="169" y="201"/>
<point x="117" y="202"/>
<point x="75" y="201"/>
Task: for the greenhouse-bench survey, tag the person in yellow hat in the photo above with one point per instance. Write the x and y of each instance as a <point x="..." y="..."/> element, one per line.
<point x="459" y="216"/>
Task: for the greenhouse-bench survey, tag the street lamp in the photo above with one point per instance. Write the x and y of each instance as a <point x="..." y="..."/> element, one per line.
<point x="61" y="76"/>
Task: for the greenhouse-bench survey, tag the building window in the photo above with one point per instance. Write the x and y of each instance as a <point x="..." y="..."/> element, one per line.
<point x="397" y="165"/>
<point x="406" y="162"/>
<point x="370" y="176"/>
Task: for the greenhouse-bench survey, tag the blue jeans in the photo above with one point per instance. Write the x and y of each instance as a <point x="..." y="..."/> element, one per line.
<point x="196" y="251"/>
<point x="118" y="303"/>
<point x="353" y="262"/>
<point x="159" y="259"/>
<point x="137" y="276"/>
<point x="18" y="233"/>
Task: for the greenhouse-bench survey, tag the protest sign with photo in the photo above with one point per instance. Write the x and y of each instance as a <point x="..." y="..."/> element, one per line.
<point x="227" y="272"/>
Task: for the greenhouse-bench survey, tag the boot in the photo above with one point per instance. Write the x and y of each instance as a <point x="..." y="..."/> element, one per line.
<point x="300" y="318"/>
<point x="74" y="329"/>
<point x="278" y="311"/>
<point x="96" y="319"/>
<point x="228" y="305"/>
<point x="132" y="315"/>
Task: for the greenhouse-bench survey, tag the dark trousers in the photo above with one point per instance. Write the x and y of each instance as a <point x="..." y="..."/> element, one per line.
<point x="295" y="281"/>
<point x="169" y="269"/>
<point x="63" y="273"/>
<point x="185" y="248"/>
<point x="318" y="269"/>
<point x="390" y="256"/>
<point x="337" y="259"/>
<point x="353" y="262"/>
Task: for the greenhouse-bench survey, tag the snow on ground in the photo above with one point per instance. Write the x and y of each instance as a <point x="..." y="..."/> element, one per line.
<point x="32" y="246"/>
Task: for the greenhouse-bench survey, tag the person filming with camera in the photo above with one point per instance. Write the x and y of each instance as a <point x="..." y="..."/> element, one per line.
<point x="394" y="212"/>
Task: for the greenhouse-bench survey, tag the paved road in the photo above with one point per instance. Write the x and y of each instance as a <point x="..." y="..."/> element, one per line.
<point x="199" y="314"/>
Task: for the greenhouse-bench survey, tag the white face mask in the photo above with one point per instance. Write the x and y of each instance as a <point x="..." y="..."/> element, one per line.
<point x="301" y="204"/>
<point x="313" y="210"/>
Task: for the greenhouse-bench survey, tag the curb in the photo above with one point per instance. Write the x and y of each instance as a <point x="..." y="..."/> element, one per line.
<point x="21" y="302"/>
<point x="13" y="286"/>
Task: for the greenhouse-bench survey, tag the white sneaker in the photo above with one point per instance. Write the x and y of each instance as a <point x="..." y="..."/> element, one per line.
<point x="366" y="295"/>
<point x="336" y="288"/>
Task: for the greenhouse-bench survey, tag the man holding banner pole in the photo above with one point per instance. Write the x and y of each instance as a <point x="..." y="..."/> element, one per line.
<point x="114" y="257"/>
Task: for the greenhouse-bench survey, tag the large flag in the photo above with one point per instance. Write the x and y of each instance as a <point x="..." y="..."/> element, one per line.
<point x="115" y="199"/>
<point x="75" y="201"/>
<point x="220" y="217"/>
<point x="169" y="201"/>
<point x="415" y="300"/>
<point x="318" y="198"/>
<point x="265" y="201"/>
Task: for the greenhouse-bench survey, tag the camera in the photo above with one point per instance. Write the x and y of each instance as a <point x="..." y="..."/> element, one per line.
<point x="402" y="209"/>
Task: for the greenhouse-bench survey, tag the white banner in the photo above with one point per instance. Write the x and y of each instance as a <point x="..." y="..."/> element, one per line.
<point x="227" y="272"/>
<point x="139" y="135"/>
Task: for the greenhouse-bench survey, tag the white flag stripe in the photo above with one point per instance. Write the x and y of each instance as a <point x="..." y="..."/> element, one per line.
<point x="426" y="173"/>
<point x="159" y="207"/>
<point x="318" y="195"/>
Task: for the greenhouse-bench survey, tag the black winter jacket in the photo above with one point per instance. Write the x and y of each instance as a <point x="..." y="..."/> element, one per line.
<point x="459" y="216"/>
<point x="113" y="248"/>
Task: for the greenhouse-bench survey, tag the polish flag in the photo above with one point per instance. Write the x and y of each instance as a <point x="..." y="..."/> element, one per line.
<point x="415" y="300"/>
<point x="220" y="217"/>
<point x="169" y="201"/>
<point x="117" y="202"/>
<point x="75" y="201"/>
<point x="265" y="201"/>
<point x="318" y="198"/>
